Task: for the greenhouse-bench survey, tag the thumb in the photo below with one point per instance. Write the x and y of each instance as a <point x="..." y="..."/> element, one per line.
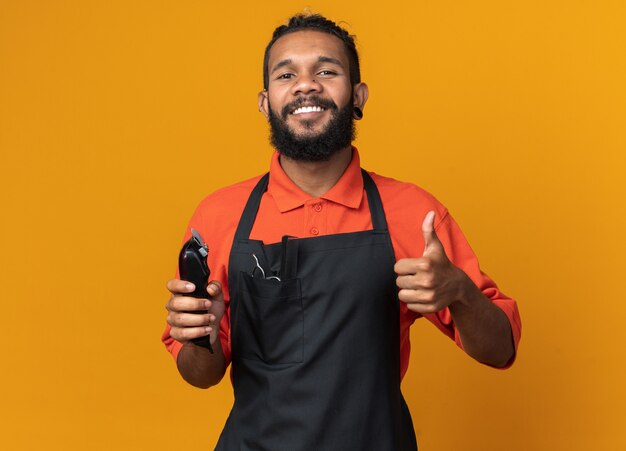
<point x="214" y="289"/>
<point x="431" y="241"/>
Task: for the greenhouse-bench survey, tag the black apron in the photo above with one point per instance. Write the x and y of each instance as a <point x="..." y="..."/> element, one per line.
<point x="316" y="354"/>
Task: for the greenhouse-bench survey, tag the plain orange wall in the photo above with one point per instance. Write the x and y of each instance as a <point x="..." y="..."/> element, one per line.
<point x="117" y="117"/>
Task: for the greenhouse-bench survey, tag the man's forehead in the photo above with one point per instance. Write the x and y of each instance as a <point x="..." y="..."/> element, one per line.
<point x="307" y="43"/>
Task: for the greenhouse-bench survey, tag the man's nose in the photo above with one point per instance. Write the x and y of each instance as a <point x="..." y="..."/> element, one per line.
<point x="306" y="84"/>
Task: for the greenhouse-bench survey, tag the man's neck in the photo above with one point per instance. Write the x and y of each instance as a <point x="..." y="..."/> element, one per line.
<point x="317" y="177"/>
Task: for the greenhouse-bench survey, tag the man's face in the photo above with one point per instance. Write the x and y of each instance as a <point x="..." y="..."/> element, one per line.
<point x="309" y="99"/>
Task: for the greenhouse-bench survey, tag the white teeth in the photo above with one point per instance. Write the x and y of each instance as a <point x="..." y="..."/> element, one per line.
<point x="308" y="109"/>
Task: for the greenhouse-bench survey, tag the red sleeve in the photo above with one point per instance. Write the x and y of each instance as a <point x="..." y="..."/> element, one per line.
<point x="460" y="253"/>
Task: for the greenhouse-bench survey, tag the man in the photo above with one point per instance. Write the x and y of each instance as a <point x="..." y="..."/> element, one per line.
<point x="320" y="268"/>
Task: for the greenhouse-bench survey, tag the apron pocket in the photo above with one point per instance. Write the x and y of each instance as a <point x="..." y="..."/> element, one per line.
<point x="269" y="322"/>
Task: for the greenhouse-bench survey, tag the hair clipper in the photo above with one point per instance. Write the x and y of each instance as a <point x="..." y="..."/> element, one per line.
<point x="193" y="267"/>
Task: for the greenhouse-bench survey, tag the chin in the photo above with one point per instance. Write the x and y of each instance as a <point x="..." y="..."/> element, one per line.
<point x="302" y="132"/>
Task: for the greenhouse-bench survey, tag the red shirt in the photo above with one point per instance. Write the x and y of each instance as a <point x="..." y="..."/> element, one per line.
<point x="286" y="210"/>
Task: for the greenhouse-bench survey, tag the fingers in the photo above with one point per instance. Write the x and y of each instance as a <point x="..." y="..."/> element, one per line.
<point x="187" y="304"/>
<point x="420" y="301"/>
<point x="428" y="226"/>
<point x="186" y="325"/>
<point x="431" y="240"/>
<point x="417" y="284"/>
<point x="411" y="266"/>
<point x="420" y="281"/>
<point x="177" y="286"/>
<point x="189" y="333"/>
<point x="177" y="319"/>
<point x="418" y="292"/>
<point x="214" y="290"/>
<point x="191" y="317"/>
<point x="420" y="296"/>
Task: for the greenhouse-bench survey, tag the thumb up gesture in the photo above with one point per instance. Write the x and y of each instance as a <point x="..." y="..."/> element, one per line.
<point x="431" y="282"/>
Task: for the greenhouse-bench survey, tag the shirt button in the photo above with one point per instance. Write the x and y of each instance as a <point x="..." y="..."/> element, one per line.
<point x="314" y="231"/>
<point x="317" y="207"/>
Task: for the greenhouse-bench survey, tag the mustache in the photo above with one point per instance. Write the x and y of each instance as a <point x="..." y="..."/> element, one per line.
<point x="327" y="104"/>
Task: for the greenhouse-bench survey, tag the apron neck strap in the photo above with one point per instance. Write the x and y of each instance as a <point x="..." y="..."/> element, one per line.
<point x="252" y="207"/>
<point x="379" y="223"/>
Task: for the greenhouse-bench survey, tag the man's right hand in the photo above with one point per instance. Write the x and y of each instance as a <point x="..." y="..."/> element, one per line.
<point x="184" y="322"/>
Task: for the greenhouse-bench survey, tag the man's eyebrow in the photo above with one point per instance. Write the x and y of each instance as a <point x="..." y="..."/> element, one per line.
<point x="281" y="64"/>
<point x="328" y="59"/>
<point x="320" y="59"/>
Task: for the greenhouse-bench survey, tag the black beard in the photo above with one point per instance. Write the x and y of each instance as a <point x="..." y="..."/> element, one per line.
<point x="338" y="133"/>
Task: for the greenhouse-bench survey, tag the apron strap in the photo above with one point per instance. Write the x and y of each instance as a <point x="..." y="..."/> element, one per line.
<point x="379" y="223"/>
<point x="252" y="207"/>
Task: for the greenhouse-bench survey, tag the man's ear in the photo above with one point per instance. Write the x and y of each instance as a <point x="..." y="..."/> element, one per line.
<point x="263" y="104"/>
<point x="360" y="93"/>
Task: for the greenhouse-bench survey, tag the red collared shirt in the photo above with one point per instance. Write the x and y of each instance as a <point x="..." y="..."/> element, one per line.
<point x="287" y="210"/>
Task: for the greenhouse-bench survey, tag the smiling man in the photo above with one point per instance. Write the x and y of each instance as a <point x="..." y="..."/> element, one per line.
<point x="314" y="117"/>
<point x="320" y="268"/>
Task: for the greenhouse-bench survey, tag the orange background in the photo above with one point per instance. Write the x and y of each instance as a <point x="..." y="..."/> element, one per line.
<point x="117" y="117"/>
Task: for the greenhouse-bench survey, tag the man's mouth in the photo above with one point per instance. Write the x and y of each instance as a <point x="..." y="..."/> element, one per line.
<point x="308" y="109"/>
<point x="310" y="105"/>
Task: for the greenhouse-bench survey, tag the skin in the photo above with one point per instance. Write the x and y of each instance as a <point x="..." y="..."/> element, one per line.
<point x="308" y="63"/>
<point x="432" y="282"/>
<point x="302" y="64"/>
<point x="195" y="363"/>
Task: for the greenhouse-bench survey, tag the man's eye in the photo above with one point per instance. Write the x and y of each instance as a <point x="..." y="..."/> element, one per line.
<point x="285" y="76"/>
<point x="327" y="72"/>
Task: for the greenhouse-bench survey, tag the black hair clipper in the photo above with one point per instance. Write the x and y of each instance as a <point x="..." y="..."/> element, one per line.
<point x="193" y="268"/>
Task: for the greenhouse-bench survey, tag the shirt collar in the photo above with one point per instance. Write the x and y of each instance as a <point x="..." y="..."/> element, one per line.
<point x="347" y="191"/>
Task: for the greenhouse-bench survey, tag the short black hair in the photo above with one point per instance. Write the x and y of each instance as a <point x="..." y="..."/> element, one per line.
<point x="315" y="22"/>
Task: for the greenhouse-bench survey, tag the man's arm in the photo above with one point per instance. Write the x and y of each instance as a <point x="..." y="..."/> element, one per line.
<point x="432" y="283"/>
<point x="196" y="364"/>
<point x="484" y="328"/>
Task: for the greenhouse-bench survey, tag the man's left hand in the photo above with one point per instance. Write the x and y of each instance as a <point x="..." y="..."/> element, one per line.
<point x="432" y="282"/>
